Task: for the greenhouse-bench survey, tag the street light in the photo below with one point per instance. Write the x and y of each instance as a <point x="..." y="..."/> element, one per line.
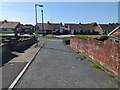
<point x="42" y="20"/>
<point x="36" y="17"/>
<point x="52" y="25"/>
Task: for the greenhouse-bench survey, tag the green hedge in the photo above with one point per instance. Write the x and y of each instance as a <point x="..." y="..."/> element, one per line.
<point x="102" y="38"/>
<point x="98" y="37"/>
<point x="88" y="36"/>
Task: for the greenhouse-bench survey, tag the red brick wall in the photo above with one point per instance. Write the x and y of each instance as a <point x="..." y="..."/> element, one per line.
<point x="106" y="53"/>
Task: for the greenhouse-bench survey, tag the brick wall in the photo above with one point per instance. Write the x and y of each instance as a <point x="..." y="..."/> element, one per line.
<point x="6" y="49"/>
<point x="106" y="53"/>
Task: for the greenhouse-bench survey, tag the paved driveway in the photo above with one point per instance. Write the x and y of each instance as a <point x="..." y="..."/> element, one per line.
<point x="58" y="66"/>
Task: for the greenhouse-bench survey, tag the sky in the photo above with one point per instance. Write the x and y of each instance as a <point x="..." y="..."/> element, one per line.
<point x="66" y="12"/>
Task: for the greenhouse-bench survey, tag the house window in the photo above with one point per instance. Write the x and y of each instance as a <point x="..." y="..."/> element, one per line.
<point x="104" y="32"/>
<point x="7" y="30"/>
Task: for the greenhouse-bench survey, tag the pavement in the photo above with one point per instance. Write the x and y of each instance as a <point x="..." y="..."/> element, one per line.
<point x="58" y="66"/>
<point x="13" y="67"/>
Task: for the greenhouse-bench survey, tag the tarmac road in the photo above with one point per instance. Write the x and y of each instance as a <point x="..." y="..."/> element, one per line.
<point x="58" y="66"/>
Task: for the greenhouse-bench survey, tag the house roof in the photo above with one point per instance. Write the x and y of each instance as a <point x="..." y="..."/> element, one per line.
<point x="40" y="26"/>
<point x="27" y="26"/>
<point x="114" y="30"/>
<point x="55" y="25"/>
<point x="108" y="26"/>
<point x="80" y="26"/>
<point x="49" y="26"/>
<point x="11" y="25"/>
<point x="1" y="22"/>
<point x="87" y="27"/>
<point x="73" y="26"/>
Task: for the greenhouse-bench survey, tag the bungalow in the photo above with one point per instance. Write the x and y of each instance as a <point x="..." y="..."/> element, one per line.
<point x="9" y="27"/>
<point x="26" y="29"/>
<point x="72" y="28"/>
<point x="107" y="28"/>
<point x="88" y="28"/>
<point x="115" y="34"/>
<point x="56" y="28"/>
<point x="49" y="28"/>
<point x="81" y="28"/>
<point x="43" y="30"/>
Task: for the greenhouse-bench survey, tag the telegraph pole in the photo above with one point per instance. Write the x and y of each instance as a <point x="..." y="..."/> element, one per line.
<point x="42" y="21"/>
<point x="36" y="20"/>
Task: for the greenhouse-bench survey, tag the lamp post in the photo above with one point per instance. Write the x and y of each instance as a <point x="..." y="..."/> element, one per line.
<point x="42" y="20"/>
<point x="52" y="25"/>
<point x="36" y="19"/>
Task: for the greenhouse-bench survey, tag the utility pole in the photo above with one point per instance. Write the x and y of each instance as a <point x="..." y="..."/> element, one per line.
<point x="42" y="20"/>
<point x="36" y="17"/>
<point x="52" y="25"/>
<point x="119" y="12"/>
<point x="36" y="20"/>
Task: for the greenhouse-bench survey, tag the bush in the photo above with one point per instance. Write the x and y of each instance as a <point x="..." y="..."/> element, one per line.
<point x="66" y="40"/>
<point x="102" y="38"/>
<point x="98" y="37"/>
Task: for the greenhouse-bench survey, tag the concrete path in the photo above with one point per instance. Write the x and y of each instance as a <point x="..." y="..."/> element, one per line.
<point x="58" y="66"/>
<point x="11" y="69"/>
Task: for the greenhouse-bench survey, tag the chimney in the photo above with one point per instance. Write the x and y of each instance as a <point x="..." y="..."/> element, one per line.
<point x="5" y="21"/>
<point x="61" y="24"/>
<point x="48" y="22"/>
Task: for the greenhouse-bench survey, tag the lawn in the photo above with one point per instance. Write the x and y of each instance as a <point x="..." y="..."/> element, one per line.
<point x="50" y="35"/>
<point x="6" y="34"/>
<point x="37" y="35"/>
<point x="88" y="36"/>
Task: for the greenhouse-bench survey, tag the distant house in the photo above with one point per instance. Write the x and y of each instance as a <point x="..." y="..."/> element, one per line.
<point x="49" y="28"/>
<point x="55" y="27"/>
<point x="73" y="28"/>
<point x="1" y="22"/>
<point x="9" y="27"/>
<point x="81" y="28"/>
<point x="43" y="29"/>
<point x="26" y="29"/>
<point x="107" y="28"/>
<point x="115" y="34"/>
<point x="88" y="29"/>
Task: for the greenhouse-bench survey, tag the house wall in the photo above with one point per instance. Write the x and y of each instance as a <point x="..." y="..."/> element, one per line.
<point x="7" y="30"/>
<point x="98" y="29"/>
<point x="106" y="53"/>
<point x="106" y="32"/>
